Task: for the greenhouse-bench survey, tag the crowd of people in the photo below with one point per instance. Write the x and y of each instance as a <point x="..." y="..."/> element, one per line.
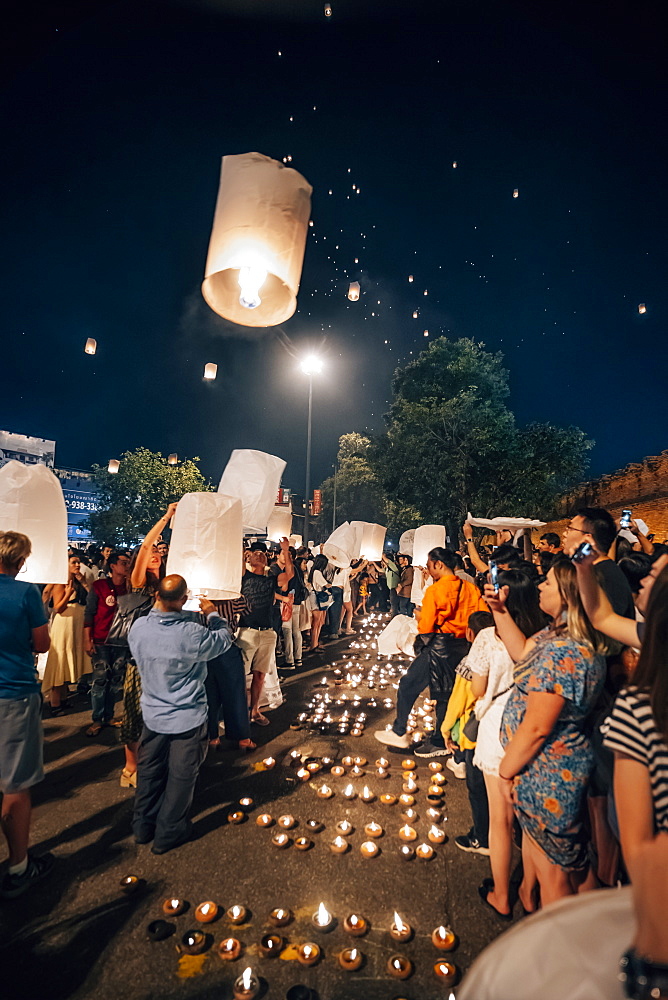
<point x="545" y="664"/>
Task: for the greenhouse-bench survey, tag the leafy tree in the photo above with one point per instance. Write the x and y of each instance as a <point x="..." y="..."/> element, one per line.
<point x="133" y="499"/>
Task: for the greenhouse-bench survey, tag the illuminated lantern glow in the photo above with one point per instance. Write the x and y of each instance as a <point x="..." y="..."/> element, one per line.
<point x="354" y="291"/>
<point x="642" y="308"/>
<point x="426" y="538"/>
<point x="415" y="314"/>
<point x="410" y="277"/>
<point x="206" y="544"/>
<point x="173" y="459"/>
<point x="210" y="371"/>
<point x="426" y="333"/>
<point x="32" y="502"/>
<point x="328" y="10"/>
<point x="342" y="546"/>
<point x="114" y="466"/>
<point x="516" y="193"/>
<point x="406" y="542"/>
<point x="254" y="478"/>
<point x="373" y="539"/>
<point x="257" y="244"/>
<point x="279" y="524"/>
<point x="454" y="164"/>
<point x="91" y="346"/>
<point x="295" y="541"/>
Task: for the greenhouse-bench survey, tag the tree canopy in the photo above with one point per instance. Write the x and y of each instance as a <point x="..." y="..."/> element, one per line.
<point x="135" y="497"/>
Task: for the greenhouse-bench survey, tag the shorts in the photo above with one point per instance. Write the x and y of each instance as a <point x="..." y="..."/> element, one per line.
<point x="258" y="648"/>
<point x="21" y="743"/>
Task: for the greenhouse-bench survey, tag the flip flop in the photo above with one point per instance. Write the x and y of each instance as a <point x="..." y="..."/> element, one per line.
<point x="95" y="729"/>
<point x="484" y="891"/>
<point x="260" y="720"/>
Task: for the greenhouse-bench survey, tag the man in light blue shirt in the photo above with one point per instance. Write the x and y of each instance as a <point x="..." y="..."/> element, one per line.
<point x="171" y="652"/>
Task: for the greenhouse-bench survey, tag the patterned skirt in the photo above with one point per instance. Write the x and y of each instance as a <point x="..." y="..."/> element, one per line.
<point x="133" y="723"/>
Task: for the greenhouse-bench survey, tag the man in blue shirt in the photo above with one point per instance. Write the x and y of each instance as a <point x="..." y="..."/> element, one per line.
<point x="171" y="652"/>
<point x="23" y="632"/>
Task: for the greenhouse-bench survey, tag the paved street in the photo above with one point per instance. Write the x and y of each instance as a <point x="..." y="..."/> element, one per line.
<point x="78" y="935"/>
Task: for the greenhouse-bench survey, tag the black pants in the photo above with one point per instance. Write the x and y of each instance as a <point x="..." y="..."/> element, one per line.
<point x="167" y="769"/>
<point x="438" y="657"/>
<point x="226" y="691"/>
<point x="475" y="786"/>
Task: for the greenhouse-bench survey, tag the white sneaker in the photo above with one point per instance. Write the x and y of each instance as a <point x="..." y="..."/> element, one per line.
<point x="459" y="770"/>
<point x="390" y="739"/>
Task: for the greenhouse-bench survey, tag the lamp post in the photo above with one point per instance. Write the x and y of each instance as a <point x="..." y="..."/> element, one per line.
<point x="336" y="469"/>
<point x="310" y="366"/>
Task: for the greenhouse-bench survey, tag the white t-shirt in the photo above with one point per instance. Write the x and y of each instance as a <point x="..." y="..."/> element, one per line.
<point x="489" y="658"/>
<point x="319" y="582"/>
<point x="342" y="579"/>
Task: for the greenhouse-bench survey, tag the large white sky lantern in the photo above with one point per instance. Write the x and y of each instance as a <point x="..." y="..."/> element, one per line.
<point x="258" y="239"/>
<point x="254" y="478"/>
<point x="279" y="524"/>
<point x="427" y="537"/>
<point x="373" y="539"/>
<point x="32" y="502"/>
<point x="406" y="542"/>
<point x="343" y="545"/>
<point x="206" y="544"/>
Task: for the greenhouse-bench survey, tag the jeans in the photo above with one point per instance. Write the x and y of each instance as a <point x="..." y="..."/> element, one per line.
<point x="394" y="602"/>
<point x="334" y="612"/>
<point x="475" y="786"/>
<point x="167" y="769"/>
<point x="108" y="676"/>
<point x="418" y="677"/>
<point x="292" y="637"/>
<point x="405" y="606"/>
<point x="226" y="691"/>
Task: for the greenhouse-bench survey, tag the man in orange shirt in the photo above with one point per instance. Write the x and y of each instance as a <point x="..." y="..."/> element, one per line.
<point x="441" y="644"/>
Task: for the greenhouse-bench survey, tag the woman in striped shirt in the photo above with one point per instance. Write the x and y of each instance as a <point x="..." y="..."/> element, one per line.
<point x="637" y="733"/>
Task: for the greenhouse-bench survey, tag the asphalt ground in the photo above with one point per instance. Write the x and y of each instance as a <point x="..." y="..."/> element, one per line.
<point x="77" y="934"/>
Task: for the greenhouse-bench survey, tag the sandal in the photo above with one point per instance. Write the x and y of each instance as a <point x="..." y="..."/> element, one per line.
<point x="247" y="745"/>
<point x="260" y="720"/>
<point x="128" y="778"/>
<point x="215" y="743"/>
<point x="95" y="729"/>
<point x="484" y="891"/>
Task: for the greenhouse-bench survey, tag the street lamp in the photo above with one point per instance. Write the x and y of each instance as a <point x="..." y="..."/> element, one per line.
<point x="311" y="365"/>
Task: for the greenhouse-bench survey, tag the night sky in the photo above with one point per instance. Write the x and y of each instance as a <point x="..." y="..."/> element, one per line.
<point x="115" y="116"/>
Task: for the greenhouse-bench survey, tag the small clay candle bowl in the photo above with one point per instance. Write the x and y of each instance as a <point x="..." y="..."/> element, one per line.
<point x="303" y="844"/>
<point x="436" y="790"/>
<point x="373" y="829"/>
<point x="369" y="849"/>
<point x="387" y="799"/>
<point x="313" y="765"/>
<point x="435" y="834"/>
<point x="355" y="925"/>
<point x="206" y="912"/>
<point x="443" y="938"/>
<point x="173" y="907"/>
<point x="236" y="817"/>
<point x="300" y="992"/>
<point x="158" y="930"/>
<point x="410" y="786"/>
<point x="357" y="732"/>
<point x="339" y="845"/>
<point x="322" y="919"/>
<point x="406" y="800"/>
<point x="237" y="914"/>
<point x="303" y="774"/>
<point x="281" y="840"/>
<point x="324" y="792"/>
<point x="407" y="833"/>
<point x="338" y="771"/>
<point x="246" y="987"/>
<point x="130" y="883"/>
<point x="406" y="852"/>
<point x="264" y="819"/>
<point x="356" y="772"/>
<point x="326" y="761"/>
<point x="435" y="766"/>
<point x="382" y="762"/>
<point x="193" y="942"/>
<point x="424" y="851"/>
<point x="408" y="764"/>
<point x="351" y="959"/>
<point x="280" y="916"/>
<point x="246" y="802"/>
<point x="366" y="795"/>
<point x="446" y="972"/>
<point x="308" y="953"/>
<point x="345" y="827"/>
<point x="435" y="798"/>
<point x="269" y="762"/>
<point x="349" y="792"/>
<point x="400" y="930"/>
<point x="410" y="815"/>
<point x="399" y="966"/>
<point x="360" y="761"/>
<point x="347" y="761"/>
<point x="287" y="822"/>
<point x="382" y="773"/>
<point x="314" y="825"/>
<point x="435" y="815"/>
<point x="229" y="949"/>
<point x="270" y="945"/>
<point x="438" y="779"/>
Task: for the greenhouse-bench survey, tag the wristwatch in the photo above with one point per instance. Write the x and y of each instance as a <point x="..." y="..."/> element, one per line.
<point x="641" y="978"/>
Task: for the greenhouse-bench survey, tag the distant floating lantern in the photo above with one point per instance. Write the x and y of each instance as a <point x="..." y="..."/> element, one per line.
<point x="642" y="308"/>
<point x="114" y="465"/>
<point x="173" y="459"/>
<point x="426" y="333"/>
<point x="210" y="371"/>
<point x="91" y="346"/>
<point x="415" y="314"/>
<point x="426" y="292"/>
<point x="410" y="277"/>
<point x="328" y="10"/>
<point x="256" y="251"/>
<point x="516" y="193"/>
<point x="354" y="291"/>
<point x="454" y="164"/>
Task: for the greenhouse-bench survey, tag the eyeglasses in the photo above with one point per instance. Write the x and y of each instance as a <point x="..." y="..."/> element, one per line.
<point x="571" y="527"/>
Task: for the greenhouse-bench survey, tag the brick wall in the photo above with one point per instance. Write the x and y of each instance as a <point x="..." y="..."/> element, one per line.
<point x="642" y="486"/>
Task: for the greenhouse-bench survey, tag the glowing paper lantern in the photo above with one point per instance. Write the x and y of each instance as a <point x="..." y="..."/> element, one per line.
<point x="32" y="502"/>
<point x="427" y="537"/>
<point x="254" y="478"/>
<point x="210" y="370"/>
<point x="328" y="10"/>
<point x="454" y="164"/>
<point x="642" y="308"/>
<point x="410" y="277"/>
<point x="373" y="539"/>
<point x="114" y="466"/>
<point x="415" y="314"/>
<point x="279" y="524"/>
<point x="91" y="346"/>
<point x="343" y="545"/>
<point x="206" y="544"/>
<point x="295" y="541"/>
<point x="516" y="193"/>
<point x="257" y="242"/>
<point x="173" y="459"/>
<point x="354" y="291"/>
<point x="406" y="542"/>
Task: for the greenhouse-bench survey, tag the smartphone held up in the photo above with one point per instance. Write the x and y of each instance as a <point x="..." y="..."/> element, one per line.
<point x="583" y="550"/>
